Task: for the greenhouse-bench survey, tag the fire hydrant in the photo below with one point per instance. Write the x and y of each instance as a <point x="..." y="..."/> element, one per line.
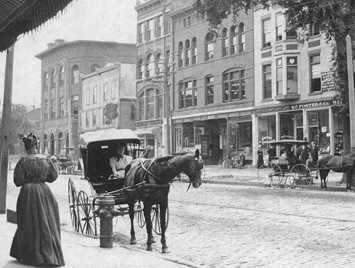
<point x="106" y="212"/>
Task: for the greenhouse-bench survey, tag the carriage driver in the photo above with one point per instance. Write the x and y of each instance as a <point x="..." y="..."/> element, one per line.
<point x="120" y="161"/>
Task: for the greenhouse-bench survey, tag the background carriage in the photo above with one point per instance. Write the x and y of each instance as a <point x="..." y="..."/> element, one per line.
<point x="96" y="149"/>
<point x="284" y="171"/>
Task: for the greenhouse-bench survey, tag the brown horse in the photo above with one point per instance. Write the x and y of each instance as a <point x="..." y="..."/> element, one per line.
<point x="157" y="175"/>
<point x="345" y="164"/>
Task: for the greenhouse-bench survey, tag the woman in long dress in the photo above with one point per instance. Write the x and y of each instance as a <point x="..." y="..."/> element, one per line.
<point x="37" y="239"/>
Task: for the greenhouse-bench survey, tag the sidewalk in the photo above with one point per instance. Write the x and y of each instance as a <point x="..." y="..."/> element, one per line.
<point x="81" y="251"/>
<point x="248" y="176"/>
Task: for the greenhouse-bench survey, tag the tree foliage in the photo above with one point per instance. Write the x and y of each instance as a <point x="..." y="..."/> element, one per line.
<point x="18" y="113"/>
<point x="335" y="18"/>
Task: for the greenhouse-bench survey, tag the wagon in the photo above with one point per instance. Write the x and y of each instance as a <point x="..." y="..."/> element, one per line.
<point x="286" y="170"/>
<point x="96" y="148"/>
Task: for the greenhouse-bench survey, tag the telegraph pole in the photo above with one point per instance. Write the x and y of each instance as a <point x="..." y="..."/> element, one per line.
<point x="349" y="58"/>
<point x="5" y="126"/>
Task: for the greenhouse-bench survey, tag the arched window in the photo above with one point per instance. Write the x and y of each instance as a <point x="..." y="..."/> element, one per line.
<point x="194" y="50"/>
<point x="75" y="74"/>
<point x="241" y="37"/>
<point x="94" y="67"/>
<point x="60" y="140"/>
<point x="150" y="111"/>
<point x="54" y="79"/>
<point x="233" y="36"/>
<point x="140" y="69"/>
<point x="159" y="103"/>
<point x="46" y="81"/>
<point x="159" y="65"/>
<point x="141" y="107"/>
<point x="187" y="52"/>
<point x="150" y="66"/>
<point x="61" y="78"/>
<point x="224" y="42"/>
<point x="315" y="29"/>
<point x="209" y="46"/>
<point x="180" y="54"/>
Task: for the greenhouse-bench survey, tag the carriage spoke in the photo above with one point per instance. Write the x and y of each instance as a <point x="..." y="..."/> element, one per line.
<point x="86" y="218"/>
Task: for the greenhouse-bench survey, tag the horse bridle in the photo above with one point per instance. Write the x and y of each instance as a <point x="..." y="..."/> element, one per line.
<point x="197" y="159"/>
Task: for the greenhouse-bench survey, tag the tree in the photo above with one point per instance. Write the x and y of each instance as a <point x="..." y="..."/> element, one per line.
<point x="18" y="113"/>
<point x="335" y="18"/>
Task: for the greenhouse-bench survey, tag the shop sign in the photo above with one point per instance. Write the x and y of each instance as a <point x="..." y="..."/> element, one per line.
<point x="328" y="81"/>
<point x="310" y="105"/>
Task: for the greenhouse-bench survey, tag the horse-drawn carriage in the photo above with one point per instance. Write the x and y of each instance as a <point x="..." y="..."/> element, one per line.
<point x="286" y="169"/>
<point x="142" y="193"/>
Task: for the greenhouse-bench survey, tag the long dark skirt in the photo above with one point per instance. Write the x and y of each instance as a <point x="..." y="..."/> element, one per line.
<point x="37" y="239"/>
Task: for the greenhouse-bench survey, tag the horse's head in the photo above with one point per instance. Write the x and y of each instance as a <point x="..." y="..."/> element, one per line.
<point x="193" y="169"/>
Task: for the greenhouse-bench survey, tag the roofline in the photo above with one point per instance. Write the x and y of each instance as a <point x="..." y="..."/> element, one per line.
<point x="79" y="42"/>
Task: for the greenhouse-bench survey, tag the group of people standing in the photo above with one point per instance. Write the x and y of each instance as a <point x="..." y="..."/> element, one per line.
<point x="304" y="154"/>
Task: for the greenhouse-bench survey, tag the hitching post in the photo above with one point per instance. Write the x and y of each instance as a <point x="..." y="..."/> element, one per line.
<point x="106" y="212"/>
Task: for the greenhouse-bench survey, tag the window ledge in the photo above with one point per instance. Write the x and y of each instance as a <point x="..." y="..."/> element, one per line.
<point x="287" y="97"/>
<point x="315" y="93"/>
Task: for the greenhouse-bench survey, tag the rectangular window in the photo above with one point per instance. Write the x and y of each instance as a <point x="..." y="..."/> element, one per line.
<point x="267" y="90"/>
<point x="292" y="75"/>
<point x="94" y="94"/>
<point x="113" y="89"/>
<point x="315" y="73"/>
<point x="209" y="51"/>
<point x="105" y="91"/>
<point x="87" y="119"/>
<point x="150" y="104"/>
<point x="234" y="86"/>
<point x="291" y="32"/>
<point x="159" y="105"/>
<point x="279" y="26"/>
<point x="52" y="114"/>
<point x="279" y="76"/>
<point x="150" y="29"/>
<point x="209" y="90"/>
<point x="233" y="34"/>
<point x="140" y="34"/>
<point x="159" y="26"/>
<point x="141" y="108"/>
<point x="88" y="96"/>
<point x="61" y="106"/>
<point x="94" y="117"/>
<point x="266" y="26"/>
<point x="188" y="94"/>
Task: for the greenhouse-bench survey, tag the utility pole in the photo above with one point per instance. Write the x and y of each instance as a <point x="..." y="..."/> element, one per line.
<point x="5" y="128"/>
<point x="349" y="58"/>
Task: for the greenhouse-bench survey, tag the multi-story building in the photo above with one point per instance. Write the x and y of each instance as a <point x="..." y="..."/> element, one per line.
<point x="154" y="46"/>
<point x="294" y="84"/>
<point x="109" y="98"/>
<point x="63" y="64"/>
<point x="226" y="92"/>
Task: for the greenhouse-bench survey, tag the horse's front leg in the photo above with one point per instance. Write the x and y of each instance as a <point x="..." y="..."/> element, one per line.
<point x="148" y="223"/>
<point x="349" y="177"/>
<point x="131" y="216"/>
<point x="163" y="208"/>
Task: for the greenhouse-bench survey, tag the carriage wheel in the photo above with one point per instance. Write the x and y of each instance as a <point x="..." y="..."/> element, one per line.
<point x="264" y="174"/>
<point x="155" y="216"/>
<point x="86" y="218"/>
<point x="276" y="175"/>
<point x="72" y="198"/>
<point x="302" y="175"/>
<point x="138" y="211"/>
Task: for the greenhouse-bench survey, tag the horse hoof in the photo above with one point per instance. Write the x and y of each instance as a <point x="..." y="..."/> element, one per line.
<point x="166" y="250"/>
<point x="149" y="249"/>
<point x="133" y="241"/>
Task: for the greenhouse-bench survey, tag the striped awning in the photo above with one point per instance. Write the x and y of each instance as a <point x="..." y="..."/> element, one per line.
<point x="21" y="16"/>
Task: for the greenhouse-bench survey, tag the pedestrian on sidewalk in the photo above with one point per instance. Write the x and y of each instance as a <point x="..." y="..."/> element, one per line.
<point x="260" y="154"/>
<point x="37" y="239"/>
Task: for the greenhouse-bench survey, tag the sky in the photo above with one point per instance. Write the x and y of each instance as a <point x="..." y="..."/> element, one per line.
<point x="101" y="20"/>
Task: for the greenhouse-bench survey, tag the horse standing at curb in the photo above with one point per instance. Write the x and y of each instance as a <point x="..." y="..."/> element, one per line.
<point x="345" y="164"/>
<point x="157" y="175"/>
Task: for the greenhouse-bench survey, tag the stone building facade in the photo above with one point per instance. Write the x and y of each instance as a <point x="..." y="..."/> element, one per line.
<point x="63" y="65"/>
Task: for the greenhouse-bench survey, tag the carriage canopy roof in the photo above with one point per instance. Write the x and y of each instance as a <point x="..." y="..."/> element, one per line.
<point x="287" y="142"/>
<point x="106" y="135"/>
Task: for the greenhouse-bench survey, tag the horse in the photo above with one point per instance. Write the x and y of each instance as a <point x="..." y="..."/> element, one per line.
<point x="154" y="177"/>
<point x="345" y="164"/>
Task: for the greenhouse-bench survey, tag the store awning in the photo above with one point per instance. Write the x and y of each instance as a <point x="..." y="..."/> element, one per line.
<point x="21" y="16"/>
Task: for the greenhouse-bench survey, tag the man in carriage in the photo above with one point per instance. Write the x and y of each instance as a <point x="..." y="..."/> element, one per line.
<point x="119" y="162"/>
